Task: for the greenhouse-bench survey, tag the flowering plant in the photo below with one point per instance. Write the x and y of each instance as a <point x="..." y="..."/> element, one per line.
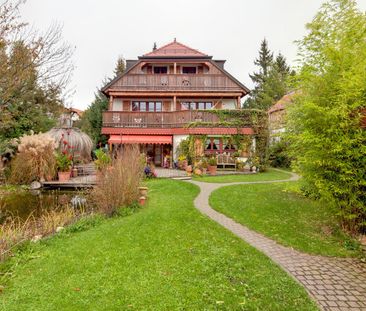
<point x="64" y="158"/>
<point x="64" y="161"/>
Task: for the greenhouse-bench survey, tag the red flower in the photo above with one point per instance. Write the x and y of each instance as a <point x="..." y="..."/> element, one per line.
<point x="65" y="142"/>
<point x="64" y="152"/>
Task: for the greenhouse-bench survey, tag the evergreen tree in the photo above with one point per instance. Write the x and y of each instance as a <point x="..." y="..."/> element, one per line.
<point x="92" y="119"/>
<point x="120" y="66"/>
<point x="270" y="80"/>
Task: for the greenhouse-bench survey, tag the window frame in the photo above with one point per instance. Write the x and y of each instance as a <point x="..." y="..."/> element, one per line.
<point x="160" y="73"/>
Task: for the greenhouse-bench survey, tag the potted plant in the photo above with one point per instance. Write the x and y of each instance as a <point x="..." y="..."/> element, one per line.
<point x="103" y="160"/>
<point x="64" y="162"/>
<point x="212" y="165"/>
<point x="182" y="162"/>
<point x="204" y="165"/>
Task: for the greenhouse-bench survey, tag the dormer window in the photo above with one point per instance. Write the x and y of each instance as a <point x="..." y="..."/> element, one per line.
<point x="160" y="69"/>
<point x="189" y="70"/>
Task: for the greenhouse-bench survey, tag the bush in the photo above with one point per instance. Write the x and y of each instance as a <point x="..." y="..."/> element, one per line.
<point x="324" y="124"/>
<point x="118" y="186"/>
<point x="279" y="154"/>
<point x="35" y="159"/>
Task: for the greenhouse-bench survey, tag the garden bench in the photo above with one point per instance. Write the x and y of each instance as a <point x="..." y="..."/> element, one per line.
<point x="225" y="160"/>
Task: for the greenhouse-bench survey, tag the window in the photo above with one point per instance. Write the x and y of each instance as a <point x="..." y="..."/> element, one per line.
<point x="147" y="106"/>
<point x="160" y="69"/>
<point x="229" y="145"/>
<point x="212" y="144"/>
<point x="158" y="106"/>
<point x="195" y="105"/>
<point x="189" y="70"/>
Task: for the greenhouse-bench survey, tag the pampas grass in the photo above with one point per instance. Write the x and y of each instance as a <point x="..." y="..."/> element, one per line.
<point x="35" y="159"/>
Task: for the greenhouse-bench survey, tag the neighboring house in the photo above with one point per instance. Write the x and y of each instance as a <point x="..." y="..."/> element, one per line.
<point x="70" y="116"/>
<point x="277" y="117"/>
<point x="163" y="93"/>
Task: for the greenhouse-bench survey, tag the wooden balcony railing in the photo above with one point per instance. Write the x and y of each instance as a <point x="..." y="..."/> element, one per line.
<point x="173" y="119"/>
<point x="176" y="82"/>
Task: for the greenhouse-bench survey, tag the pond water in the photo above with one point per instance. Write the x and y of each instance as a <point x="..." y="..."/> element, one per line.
<point x="24" y="203"/>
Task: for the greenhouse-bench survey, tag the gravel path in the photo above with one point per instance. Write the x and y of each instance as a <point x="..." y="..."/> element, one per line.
<point x="334" y="283"/>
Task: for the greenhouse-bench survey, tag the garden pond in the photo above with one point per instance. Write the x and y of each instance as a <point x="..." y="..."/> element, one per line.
<point x="23" y="203"/>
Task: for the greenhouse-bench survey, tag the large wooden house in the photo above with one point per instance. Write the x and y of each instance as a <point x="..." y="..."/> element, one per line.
<point x="168" y="94"/>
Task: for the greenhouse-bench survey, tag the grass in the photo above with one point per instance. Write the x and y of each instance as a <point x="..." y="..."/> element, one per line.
<point x="168" y="256"/>
<point x="285" y="216"/>
<point x="270" y="174"/>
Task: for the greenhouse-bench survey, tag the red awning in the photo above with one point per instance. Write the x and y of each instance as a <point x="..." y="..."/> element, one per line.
<point x="140" y="139"/>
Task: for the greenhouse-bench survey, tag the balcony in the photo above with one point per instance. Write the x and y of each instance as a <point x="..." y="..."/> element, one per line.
<point x="175" y="119"/>
<point x="176" y="82"/>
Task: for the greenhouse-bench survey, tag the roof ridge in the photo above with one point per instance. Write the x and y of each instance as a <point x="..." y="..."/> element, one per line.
<point x="174" y="42"/>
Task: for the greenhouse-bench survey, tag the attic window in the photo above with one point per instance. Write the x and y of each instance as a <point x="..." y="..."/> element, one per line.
<point x="160" y="69"/>
<point x="189" y="70"/>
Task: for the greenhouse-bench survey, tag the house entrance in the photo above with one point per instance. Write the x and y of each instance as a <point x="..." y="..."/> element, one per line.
<point x="158" y="154"/>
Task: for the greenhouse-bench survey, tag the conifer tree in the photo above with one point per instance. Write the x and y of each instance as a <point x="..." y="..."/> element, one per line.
<point x="120" y="66"/>
<point x="270" y="80"/>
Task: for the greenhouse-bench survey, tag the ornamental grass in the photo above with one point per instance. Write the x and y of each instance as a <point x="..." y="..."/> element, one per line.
<point x="118" y="184"/>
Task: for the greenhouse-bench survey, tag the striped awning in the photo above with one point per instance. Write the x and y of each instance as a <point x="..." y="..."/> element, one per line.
<point x="140" y="139"/>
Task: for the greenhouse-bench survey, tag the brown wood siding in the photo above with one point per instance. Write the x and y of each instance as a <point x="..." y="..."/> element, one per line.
<point x="200" y="70"/>
<point x="149" y="69"/>
<point x="126" y="105"/>
<point x="177" y="106"/>
<point x="166" y="105"/>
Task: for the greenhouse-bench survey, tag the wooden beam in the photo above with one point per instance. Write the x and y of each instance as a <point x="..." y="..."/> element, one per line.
<point x="111" y="103"/>
<point x="170" y="94"/>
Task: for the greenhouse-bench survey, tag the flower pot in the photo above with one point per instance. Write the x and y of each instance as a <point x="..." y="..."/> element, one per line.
<point x="64" y="176"/>
<point x="142" y="200"/>
<point x="143" y="191"/>
<point x="212" y="169"/>
<point x="74" y="172"/>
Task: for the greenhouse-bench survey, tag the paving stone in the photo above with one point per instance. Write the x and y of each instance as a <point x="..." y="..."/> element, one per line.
<point x="337" y="284"/>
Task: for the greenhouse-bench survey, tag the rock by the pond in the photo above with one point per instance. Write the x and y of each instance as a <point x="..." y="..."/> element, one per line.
<point x="59" y="229"/>
<point x="36" y="238"/>
<point x="35" y="185"/>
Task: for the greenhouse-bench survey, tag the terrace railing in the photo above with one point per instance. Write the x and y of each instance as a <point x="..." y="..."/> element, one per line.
<point x="176" y="82"/>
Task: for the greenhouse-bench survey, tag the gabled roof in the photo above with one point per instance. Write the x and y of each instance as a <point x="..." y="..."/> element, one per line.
<point x="175" y="49"/>
<point x="283" y="102"/>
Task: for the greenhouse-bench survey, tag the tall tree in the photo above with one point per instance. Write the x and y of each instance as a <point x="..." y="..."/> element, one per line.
<point x="271" y="79"/>
<point x="325" y="123"/>
<point x="92" y="119"/>
<point x="120" y="66"/>
<point x="34" y="72"/>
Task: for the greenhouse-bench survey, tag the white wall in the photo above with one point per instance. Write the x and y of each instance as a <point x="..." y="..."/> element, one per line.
<point x="176" y="141"/>
<point x="229" y="103"/>
<point x="117" y="104"/>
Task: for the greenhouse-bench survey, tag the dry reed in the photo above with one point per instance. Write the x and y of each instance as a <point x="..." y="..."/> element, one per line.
<point x="14" y="231"/>
<point x="118" y="185"/>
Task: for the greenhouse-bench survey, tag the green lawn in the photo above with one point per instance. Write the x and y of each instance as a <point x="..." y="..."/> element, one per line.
<point x="285" y="216"/>
<point x="167" y="256"/>
<point x="270" y="174"/>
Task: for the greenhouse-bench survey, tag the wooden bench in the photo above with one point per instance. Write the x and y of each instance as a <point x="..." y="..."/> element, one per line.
<point x="225" y="160"/>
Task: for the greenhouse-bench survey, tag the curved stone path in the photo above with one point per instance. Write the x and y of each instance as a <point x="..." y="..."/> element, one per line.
<point x="334" y="283"/>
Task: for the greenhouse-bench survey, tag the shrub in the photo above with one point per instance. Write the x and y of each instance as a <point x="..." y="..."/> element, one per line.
<point x="103" y="159"/>
<point x="324" y="124"/>
<point x="35" y="159"/>
<point x="279" y="154"/>
<point x="118" y="186"/>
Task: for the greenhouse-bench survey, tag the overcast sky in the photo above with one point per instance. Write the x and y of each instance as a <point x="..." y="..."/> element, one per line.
<point x="101" y="30"/>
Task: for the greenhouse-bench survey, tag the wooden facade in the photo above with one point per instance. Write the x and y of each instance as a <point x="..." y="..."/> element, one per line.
<point x="172" y="90"/>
